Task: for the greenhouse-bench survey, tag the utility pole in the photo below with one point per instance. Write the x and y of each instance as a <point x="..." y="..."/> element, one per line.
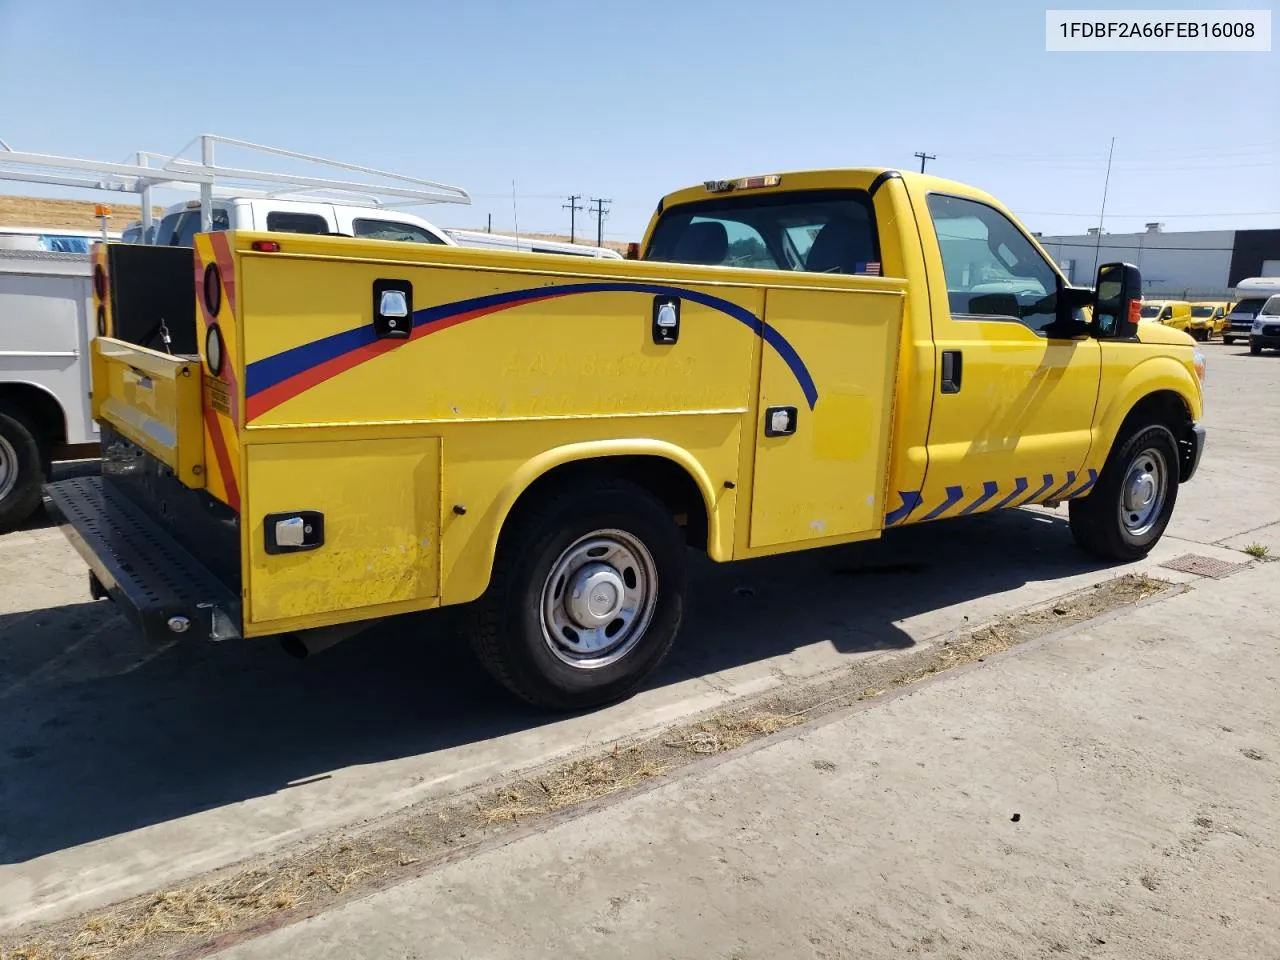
<point x="573" y="207"/>
<point x="489" y="228"/>
<point x="601" y="210"/>
<point x="923" y="157"/>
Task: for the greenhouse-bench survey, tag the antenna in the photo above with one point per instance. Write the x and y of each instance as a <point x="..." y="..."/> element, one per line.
<point x="1097" y="250"/>
<point x="515" y="216"/>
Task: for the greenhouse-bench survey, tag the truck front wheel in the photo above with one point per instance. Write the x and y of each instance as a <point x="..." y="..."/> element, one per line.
<point x="586" y="596"/>
<point x="21" y="470"/>
<point x="1127" y="512"/>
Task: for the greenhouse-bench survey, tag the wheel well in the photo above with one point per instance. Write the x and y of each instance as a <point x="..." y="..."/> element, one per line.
<point x="38" y="409"/>
<point x="665" y="479"/>
<point x="1169" y="409"/>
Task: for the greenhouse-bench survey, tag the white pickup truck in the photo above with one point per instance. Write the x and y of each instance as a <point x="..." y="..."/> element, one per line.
<point x="46" y="322"/>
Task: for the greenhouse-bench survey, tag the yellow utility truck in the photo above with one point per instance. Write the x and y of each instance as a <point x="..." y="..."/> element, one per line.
<point x="306" y="433"/>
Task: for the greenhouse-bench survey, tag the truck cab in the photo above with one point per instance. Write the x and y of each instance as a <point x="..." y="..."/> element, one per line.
<point x="342" y="429"/>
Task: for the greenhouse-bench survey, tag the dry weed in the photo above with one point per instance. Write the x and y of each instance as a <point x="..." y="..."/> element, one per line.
<point x="731" y="731"/>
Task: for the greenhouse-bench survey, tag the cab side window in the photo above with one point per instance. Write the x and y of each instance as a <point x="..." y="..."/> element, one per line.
<point x="1166" y="313"/>
<point x="992" y="269"/>
<point x="279" y="221"/>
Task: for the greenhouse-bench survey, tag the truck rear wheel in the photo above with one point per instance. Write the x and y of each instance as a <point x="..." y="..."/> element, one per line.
<point x="586" y="596"/>
<point x="21" y="470"/>
<point x="1127" y="512"/>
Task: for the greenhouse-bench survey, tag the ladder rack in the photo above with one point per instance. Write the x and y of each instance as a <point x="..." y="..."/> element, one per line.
<point x="151" y="170"/>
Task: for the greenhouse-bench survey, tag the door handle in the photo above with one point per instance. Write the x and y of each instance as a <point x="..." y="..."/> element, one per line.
<point x="952" y="370"/>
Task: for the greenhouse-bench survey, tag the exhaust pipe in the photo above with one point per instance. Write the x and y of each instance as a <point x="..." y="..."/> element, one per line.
<point x="308" y="643"/>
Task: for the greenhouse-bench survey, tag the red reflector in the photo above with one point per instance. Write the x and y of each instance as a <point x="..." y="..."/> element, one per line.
<point x="266" y="246"/>
<point x="1135" y="311"/>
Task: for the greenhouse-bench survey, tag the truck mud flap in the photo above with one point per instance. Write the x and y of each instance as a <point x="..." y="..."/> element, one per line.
<point x="155" y="582"/>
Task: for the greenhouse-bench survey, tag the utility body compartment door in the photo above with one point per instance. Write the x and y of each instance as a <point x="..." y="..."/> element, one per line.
<point x="379" y="507"/>
<point x="826" y="477"/>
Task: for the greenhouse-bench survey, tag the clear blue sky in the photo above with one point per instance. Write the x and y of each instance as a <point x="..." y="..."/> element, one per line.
<point x="629" y="100"/>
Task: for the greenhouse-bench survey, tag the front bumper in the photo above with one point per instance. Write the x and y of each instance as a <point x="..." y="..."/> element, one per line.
<point x="1262" y="340"/>
<point x="1190" y="449"/>
<point x="153" y="579"/>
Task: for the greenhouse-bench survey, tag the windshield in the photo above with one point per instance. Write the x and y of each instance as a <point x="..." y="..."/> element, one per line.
<point x="1150" y="310"/>
<point x="1205" y="311"/>
<point x="1272" y="308"/>
<point x="1250" y="307"/>
<point x="817" y="231"/>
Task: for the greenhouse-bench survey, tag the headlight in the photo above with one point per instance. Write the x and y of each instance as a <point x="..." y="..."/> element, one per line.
<point x="1257" y="326"/>
<point x="1199" y="362"/>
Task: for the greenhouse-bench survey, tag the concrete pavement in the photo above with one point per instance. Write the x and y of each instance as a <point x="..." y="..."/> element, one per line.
<point x="1111" y="793"/>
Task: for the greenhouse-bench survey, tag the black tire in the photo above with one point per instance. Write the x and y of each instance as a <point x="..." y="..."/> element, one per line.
<point x="1096" y="521"/>
<point x="20" y="452"/>
<point x="507" y="629"/>
<point x="1254" y="348"/>
<point x="1228" y="340"/>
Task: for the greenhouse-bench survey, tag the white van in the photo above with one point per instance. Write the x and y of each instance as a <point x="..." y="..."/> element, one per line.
<point x="181" y="222"/>
<point x="1251" y="294"/>
<point x="1266" y="328"/>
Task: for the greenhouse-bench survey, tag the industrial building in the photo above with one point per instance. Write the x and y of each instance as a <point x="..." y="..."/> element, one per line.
<point x="1195" y="264"/>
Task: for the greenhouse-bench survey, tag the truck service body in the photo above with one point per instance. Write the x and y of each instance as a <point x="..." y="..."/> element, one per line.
<point x="341" y="429"/>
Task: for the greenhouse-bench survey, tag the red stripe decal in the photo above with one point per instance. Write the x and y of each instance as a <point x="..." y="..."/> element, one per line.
<point x="223" y="457"/>
<point x="273" y="396"/>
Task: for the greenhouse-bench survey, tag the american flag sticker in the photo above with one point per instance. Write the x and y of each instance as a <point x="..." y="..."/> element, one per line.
<point x="870" y="269"/>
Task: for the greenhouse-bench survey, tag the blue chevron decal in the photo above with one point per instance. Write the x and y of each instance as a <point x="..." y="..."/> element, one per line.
<point x="989" y="489"/>
<point x="1071" y="478"/>
<point x="910" y="500"/>
<point x="1088" y="485"/>
<point x="1019" y="486"/>
<point x="954" y="495"/>
<point x="1048" y="482"/>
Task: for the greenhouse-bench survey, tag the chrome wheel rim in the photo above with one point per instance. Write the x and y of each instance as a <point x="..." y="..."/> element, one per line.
<point x="1142" y="494"/>
<point x="598" y="599"/>
<point x="8" y="468"/>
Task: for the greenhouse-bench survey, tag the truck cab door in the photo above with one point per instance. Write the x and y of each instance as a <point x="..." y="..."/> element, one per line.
<point x="1014" y="396"/>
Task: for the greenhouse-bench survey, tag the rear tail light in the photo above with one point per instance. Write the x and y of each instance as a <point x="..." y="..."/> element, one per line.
<point x="99" y="282"/>
<point x="212" y="289"/>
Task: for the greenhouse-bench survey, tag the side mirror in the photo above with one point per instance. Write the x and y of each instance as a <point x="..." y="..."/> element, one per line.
<point x="1117" y="300"/>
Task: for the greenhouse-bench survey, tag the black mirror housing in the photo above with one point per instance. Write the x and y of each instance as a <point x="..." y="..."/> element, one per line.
<point x="1117" y="301"/>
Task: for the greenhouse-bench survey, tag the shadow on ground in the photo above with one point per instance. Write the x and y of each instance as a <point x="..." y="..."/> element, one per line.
<point x="103" y="734"/>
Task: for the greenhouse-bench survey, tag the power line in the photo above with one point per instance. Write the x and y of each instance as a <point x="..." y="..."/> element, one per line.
<point x="573" y="207"/>
<point x="601" y="210"/>
<point x="923" y="157"/>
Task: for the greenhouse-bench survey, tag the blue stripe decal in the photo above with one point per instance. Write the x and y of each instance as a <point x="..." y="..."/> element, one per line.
<point x="1048" y="482"/>
<point x="1019" y="486"/>
<point x="1071" y="478"/>
<point x="953" y="497"/>
<point x="1088" y="485"/>
<point x="269" y="371"/>
<point x="989" y="489"/>
<point x="910" y="500"/>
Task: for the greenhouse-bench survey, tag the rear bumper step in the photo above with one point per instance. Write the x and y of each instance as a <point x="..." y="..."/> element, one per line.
<point x="156" y="582"/>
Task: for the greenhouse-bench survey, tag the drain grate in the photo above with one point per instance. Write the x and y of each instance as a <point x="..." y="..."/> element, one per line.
<point x="1204" y="566"/>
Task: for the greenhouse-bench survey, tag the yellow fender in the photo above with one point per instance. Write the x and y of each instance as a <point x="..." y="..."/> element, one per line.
<point x="1152" y="375"/>
<point x="719" y="531"/>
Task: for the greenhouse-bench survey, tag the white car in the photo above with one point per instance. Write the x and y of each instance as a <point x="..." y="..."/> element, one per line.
<point x="181" y="222"/>
<point x="1265" y="331"/>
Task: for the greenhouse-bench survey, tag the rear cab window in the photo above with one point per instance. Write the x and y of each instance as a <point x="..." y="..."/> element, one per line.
<point x="283" y="221"/>
<point x="812" y="231"/>
<point x="392" y="230"/>
<point x="180" y="228"/>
